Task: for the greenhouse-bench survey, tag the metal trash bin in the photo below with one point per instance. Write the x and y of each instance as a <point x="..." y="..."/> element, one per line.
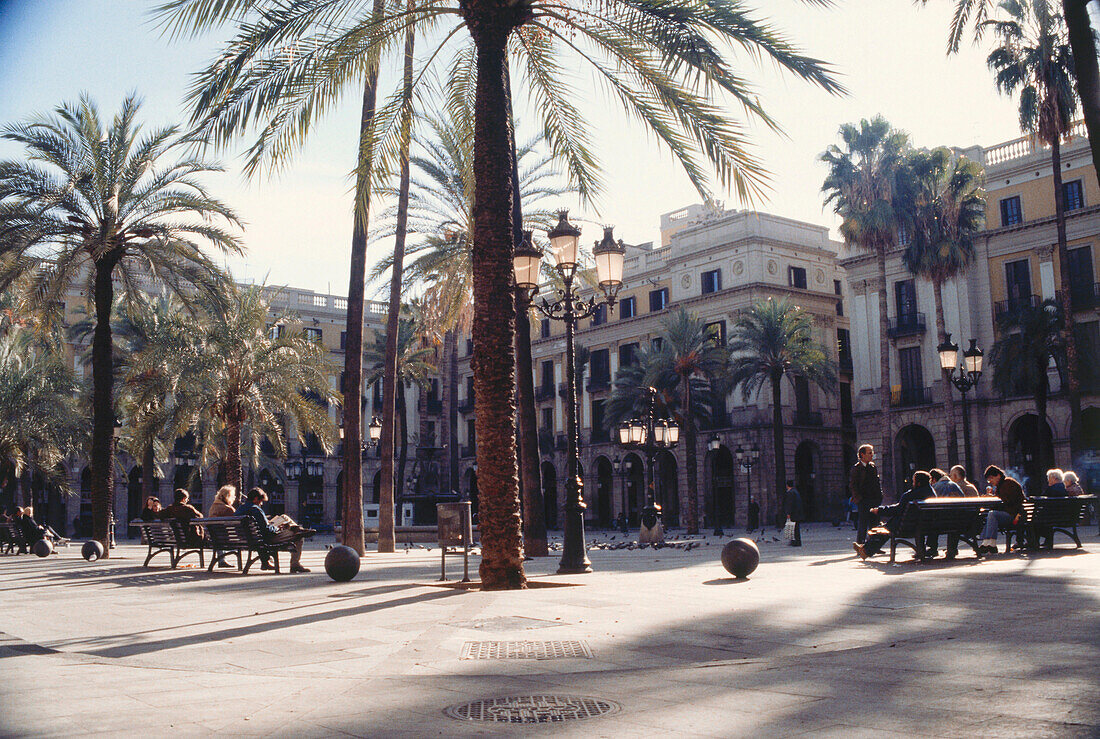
<point x="456" y="529"/>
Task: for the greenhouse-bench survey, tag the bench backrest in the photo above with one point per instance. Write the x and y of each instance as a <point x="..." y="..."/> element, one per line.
<point x="932" y="516"/>
<point x="233" y="533"/>
<point x="10" y="533"/>
<point x="166" y="533"/>
<point x="1060" y="511"/>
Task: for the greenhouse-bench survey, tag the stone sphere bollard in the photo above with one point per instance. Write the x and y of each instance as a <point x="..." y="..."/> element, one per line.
<point x="740" y="557"/>
<point x="42" y="548"/>
<point x="91" y="551"/>
<point x="342" y="563"/>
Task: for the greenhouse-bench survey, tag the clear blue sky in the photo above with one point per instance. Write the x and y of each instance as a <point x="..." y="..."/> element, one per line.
<point x="889" y="52"/>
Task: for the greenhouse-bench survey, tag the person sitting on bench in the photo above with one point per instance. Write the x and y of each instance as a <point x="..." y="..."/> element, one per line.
<point x="288" y="533"/>
<point x="921" y="490"/>
<point x="1012" y="495"/>
<point x="182" y="511"/>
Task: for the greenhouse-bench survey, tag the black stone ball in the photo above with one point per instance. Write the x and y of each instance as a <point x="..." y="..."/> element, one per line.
<point x="740" y="557"/>
<point x="342" y="563"/>
<point x="42" y="548"/>
<point x="91" y="551"/>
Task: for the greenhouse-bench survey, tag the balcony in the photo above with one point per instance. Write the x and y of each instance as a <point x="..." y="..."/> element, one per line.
<point x="431" y="406"/>
<point x="600" y="436"/>
<point x="1084" y="297"/>
<point x="560" y="443"/>
<point x="563" y="390"/>
<point x="544" y="392"/>
<point x="808" y="418"/>
<point x="466" y="406"/>
<point x="468" y="450"/>
<point x="598" y="384"/>
<point x="907" y="397"/>
<point x="909" y="324"/>
<point x="1004" y="307"/>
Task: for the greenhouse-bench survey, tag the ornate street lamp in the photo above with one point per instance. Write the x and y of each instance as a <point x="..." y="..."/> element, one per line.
<point x="746" y="460"/>
<point x="569" y="307"/>
<point x="966" y="379"/>
<point x="650" y="435"/>
<point x="713" y="445"/>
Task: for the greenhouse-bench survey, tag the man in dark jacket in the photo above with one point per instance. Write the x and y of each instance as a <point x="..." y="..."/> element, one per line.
<point x="294" y="535"/>
<point x="181" y="510"/>
<point x="865" y="489"/>
<point x="792" y="502"/>
<point x="1012" y="498"/>
<point x="921" y="490"/>
<point x="29" y="528"/>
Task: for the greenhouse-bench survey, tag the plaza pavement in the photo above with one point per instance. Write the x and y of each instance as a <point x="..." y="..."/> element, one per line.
<point x="815" y="642"/>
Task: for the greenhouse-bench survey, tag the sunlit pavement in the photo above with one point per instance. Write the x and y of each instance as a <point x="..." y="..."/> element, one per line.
<point x="652" y="642"/>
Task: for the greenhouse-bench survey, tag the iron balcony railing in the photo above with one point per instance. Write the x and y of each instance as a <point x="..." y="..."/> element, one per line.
<point x="907" y="324"/>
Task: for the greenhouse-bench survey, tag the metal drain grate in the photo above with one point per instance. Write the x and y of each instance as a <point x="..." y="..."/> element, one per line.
<point x="566" y="649"/>
<point x="533" y="709"/>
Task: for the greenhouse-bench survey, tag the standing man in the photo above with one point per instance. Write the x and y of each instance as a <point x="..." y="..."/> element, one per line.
<point x="793" y="503"/>
<point x="865" y="488"/>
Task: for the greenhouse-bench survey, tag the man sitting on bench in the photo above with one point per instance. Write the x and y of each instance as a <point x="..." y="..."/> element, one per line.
<point x="921" y="490"/>
<point x="1012" y="495"/>
<point x="288" y="532"/>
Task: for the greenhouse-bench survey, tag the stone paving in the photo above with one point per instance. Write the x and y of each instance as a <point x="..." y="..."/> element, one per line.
<point x="659" y="642"/>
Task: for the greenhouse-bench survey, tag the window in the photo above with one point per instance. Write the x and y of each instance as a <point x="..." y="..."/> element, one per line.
<point x="546" y="374"/>
<point x="343" y="340"/>
<point x="376" y="392"/>
<point x="1011" y="211"/>
<point x="1018" y="282"/>
<point x="430" y="434"/>
<point x="1073" y="196"/>
<point x="601" y="367"/>
<point x="276" y="331"/>
<point x="471" y="436"/>
<point x="599" y="422"/>
<point x="628" y="354"/>
<point x="1081" y="277"/>
<point x="836" y="288"/>
<point x="628" y="308"/>
<point x="796" y="277"/>
<point x="844" y="348"/>
<point x="548" y="419"/>
<point x="903" y="235"/>
<point x="470" y="389"/>
<point x="433" y="390"/>
<point x="544" y="328"/>
<point x="910" y="369"/>
<point x="658" y="299"/>
<point x="905" y="293"/>
<point x="469" y="347"/>
<point x="716" y="331"/>
<point x="846" y="404"/>
<point x="313" y="334"/>
<point x="343" y="383"/>
<point x="801" y="396"/>
<point x="1088" y="349"/>
<point x="712" y="281"/>
<point x="656" y="343"/>
<point x="599" y="315"/>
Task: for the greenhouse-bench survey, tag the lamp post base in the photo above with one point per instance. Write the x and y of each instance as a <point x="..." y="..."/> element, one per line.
<point x="578" y="568"/>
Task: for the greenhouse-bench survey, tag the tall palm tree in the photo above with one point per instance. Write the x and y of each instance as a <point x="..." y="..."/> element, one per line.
<point x="946" y="210"/>
<point x="684" y="369"/>
<point x="1082" y="42"/>
<point x="861" y="186"/>
<point x="772" y="340"/>
<point x="1029" y="338"/>
<point x="104" y="204"/>
<point x="242" y="378"/>
<point x="1033" y="59"/>
<point x="666" y="63"/>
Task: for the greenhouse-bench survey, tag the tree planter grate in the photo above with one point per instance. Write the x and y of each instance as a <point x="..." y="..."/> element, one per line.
<point x="563" y="649"/>
<point x="533" y="709"/>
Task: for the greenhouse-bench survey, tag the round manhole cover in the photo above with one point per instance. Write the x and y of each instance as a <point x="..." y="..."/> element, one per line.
<point x="533" y="709"/>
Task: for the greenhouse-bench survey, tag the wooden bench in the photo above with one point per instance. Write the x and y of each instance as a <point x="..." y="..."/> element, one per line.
<point x="1050" y="516"/>
<point x="12" y="539"/>
<point x="960" y="517"/>
<point x="169" y="536"/>
<point x="237" y="535"/>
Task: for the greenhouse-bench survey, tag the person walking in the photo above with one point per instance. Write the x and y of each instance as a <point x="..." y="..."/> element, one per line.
<point x="792" y="502"/>
<point x="865" y="488"/>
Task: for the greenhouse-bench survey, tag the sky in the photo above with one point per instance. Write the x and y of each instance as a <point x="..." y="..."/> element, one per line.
<point x="890" y="54"/>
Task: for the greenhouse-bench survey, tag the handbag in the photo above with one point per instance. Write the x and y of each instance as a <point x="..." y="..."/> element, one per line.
<point x="788" y="530"/>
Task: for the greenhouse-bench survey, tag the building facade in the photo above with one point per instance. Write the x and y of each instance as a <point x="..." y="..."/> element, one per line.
<point x="1015" y="263"/>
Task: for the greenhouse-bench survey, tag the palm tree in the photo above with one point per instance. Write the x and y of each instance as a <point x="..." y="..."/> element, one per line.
<point x="773" y="340"/>
<point x="684" y="369"/>
<point x="861" y="185"/>
<point x="107" y="204"/>
<point x="665" y="62"/>
<point x="1082" y="42"/>
<point x="946" y="210"/>
<point x="1029" y="338"/>
<point x="1034" y="59"/>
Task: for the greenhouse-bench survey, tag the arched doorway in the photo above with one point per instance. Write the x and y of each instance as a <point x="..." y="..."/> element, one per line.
<point x="1025" y="452"/>
<point x="807" y="457"/>
<point x="634" y="472"/>
<point x="9" y="487"/>
<point x="376" y="488"/>
<point x="668" y="490"/>
<point x="605" y="484"/>
<point x="721" y="508"/>
<point x="915" y="449"/>
<point x="276" y="493"/>
<point x="1087" y="466"/>
<point x="82" y="525"/>
<point x="134" y="503"/>
<point x="550" y="494"/>
<point x="311" y="499"/>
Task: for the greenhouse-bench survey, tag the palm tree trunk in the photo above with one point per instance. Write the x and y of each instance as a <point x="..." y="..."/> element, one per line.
<point x="1069" y="337"/>
<point x="233" y="452"/>
<point x="527" y="434"/>
<point x="352" y="531"/>
<point x="1045" y="452"/>
<point x="780" y="444"/>
<point x="690" y="458"/>
<point x="887" y="448"/>
<point x="1087" y="70"/>
<point x="450" y="408"/>
<point x="389" y="370"/>
<point x="103" y="413"/>
<point x="494" y="311"/>
<point x="148" y="474"/>
<point x="948" y="396"/>
<point x="403" y="450"/>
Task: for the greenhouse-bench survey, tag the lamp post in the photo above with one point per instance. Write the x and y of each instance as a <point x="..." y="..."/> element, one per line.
<point x="746" y="460"/>
<point x="966" y="379"/>
<point x="712" y="446"/>
<point x="569" y="307"/>
<point x="622" y="468"/>
<point x="650" y="435"/>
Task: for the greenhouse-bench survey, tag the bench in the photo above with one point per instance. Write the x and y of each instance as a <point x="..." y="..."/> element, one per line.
<point x="237" y="535"/>
<point x="12" y="539"/>
<point x="168" y="536"/>
<point x="1057" y="515"/>
<point x="960" y="517"/>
